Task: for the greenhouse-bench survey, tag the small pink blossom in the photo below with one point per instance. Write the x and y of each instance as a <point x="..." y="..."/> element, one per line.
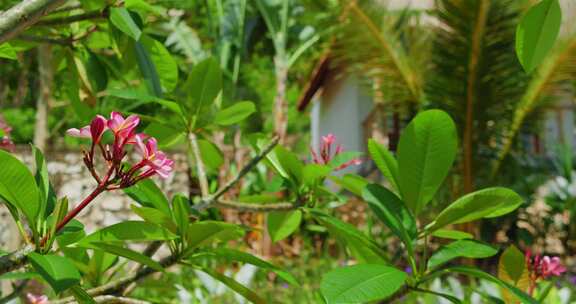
<point x="326" y="154"/>
<point x="95" y="130"/>
<point x="36" y="299"/>
<point x="542" y="267"/>
<point x="154" y="161"/>
<point x="121" y="127"/>
<point x="5" y="141"/>
<point x="551" y="266"/>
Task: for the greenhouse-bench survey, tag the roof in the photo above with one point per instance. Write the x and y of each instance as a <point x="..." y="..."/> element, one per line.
<point x="319" y="77"/>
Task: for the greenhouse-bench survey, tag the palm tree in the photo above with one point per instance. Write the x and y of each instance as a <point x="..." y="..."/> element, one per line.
<point x="471" y="71"/>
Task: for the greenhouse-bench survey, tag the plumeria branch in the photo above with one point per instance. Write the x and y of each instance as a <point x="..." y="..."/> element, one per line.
<point x="240" y="206"/>
<point x="14" y="260"/>
<point x="24" y="14"/>
<point x="97" y="14"/>
<point x="200" y="168"/>
<point x="213" y="199"/>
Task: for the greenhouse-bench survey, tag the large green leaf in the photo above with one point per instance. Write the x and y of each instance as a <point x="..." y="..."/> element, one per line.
<point x="392" y="212"/>
<point x="18" y="187"/>
<point x="474" y="272"/>
<point x="351" y="182"/>
<point x="235" y="286"/>
<point x="155" y="216"/>
<point x="163" y="62"/>
<point x="181" y="213"/>
<point x="148" y="194"/>
<point x="485" y="203"/>
<point x="58" y="271"/>
<point x="127" y="253"/>
<point x="46" y="193"/>
<point x="202" y="233"/>
<point x="148" y="69"/>
<point x="232" y="255"/>
<point x="202" y="87"/>
<point x="513" y="263"/>
<point x="289" y="163"/>
<point x="426" y="152"/>
<point x="135" y="231"/>
<point x="211" y="155"/>
<point x="81" y="295"/>
<point x="385" y="162"/>
<point x="361" y="247"/>
<point x="281" y="224"/>
<point x="462" y="248"/>
<point x="361" y="283"/>
<point x="122" y="20"/>
<point x="537" y="32"/>
<point x="452" y="234"/>
<point x="235" y="113"/>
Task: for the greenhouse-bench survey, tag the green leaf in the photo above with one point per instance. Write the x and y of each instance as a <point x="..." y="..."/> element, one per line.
<point x="58" y="271"/>
<point x="18" y="187"/>
<point x="202" y="233"/>
<point x="122" y="20"/>
<point x="127" y="253"/>
<point x="361" y="247"/>
<point x="522" y="296"/>
<point x="314" y="173"/>
<point x="202" y="86"/>
<point x="392" y="212"/>
<point x="46" y="195"/>
<point x="7" y="51"/>
<point x="97" y="71"/>
<point x="181" y="207"/>
<point x="283" y="224"/>
<point x="148" y="194"/>
<point x="361" y="283"/>
<point x="235" y="113"/>
<point x="129" y="231"/>
<point x="385" y="162"/>
<point x="166" y="134"/>
<point x="351" y="182"/>
<point x="462" y="248"/>
<point x="155" y="216"/>
<point x="235" y="286"/>
<point x="148" y="69"/>
<point x="485" y="203"/>
<point x="211" y="155"/>
<point x="289" y="163"/>
<point x="232" y="255"/>
<point x="513" y="262"/>
<point x="70" y="234"/>
<point x="452" y="234"/>
<point x="426" y="152"/>
<point x="164" y="64"/>
<point x="537" y="32"/>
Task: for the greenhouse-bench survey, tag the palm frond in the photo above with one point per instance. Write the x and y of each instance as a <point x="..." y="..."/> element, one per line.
<point x="551" y="81"/>
<point x="371" y="43"/>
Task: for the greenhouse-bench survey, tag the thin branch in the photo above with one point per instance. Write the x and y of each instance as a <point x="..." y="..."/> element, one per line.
<point x="118" y="300"/>
<point x="15" y="293"/>
<point x="240" y="206"/>
<point x="149" y="251"/>
<point x="199" y="165"/>
<point x="253" y="162"/>
<point x="41" y="39"/>
<point x="14" y="260"/>
<point x="24" y="14"/>
<point x="97" y="14"/>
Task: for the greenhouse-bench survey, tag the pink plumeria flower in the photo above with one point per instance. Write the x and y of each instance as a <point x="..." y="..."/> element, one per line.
<point x="325" y="154"/>
<point x="35" y="299"/>
<point x="95" y="130"/>
<point x="123" y="128"/>
<point x="551" y="266"/>
<point x="154" y="161"/>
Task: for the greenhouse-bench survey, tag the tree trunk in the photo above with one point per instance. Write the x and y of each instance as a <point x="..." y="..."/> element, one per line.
<point x="46" y="77"/>
<point x="280" y="103"/>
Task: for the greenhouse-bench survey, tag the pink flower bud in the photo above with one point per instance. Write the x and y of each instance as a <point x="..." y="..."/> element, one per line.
<point x="97" y="128"/>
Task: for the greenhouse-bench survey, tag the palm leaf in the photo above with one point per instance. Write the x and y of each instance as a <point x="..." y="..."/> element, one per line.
<point x="549" y="81"/>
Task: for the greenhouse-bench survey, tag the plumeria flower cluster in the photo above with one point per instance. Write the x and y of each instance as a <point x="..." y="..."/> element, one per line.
<point x="5" y="141"/>
<point x="542" y="267"/>
<point x="153" y="161"/>
<point x="36" y="299"/>
<point x="328" y="152"/>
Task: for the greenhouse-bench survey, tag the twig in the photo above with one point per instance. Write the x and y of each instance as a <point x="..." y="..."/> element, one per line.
<point x="24" y="14"/>
<point x="283" y="206"/>
<point x="199" y="165"/>
<point x="253" y="162"/>
<point x="40" y="39"/>
<point x="15" y="293"/>
<point x="74" y="18"/>
<point x="149" y="251"/>
<point x="15" y="259"/>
